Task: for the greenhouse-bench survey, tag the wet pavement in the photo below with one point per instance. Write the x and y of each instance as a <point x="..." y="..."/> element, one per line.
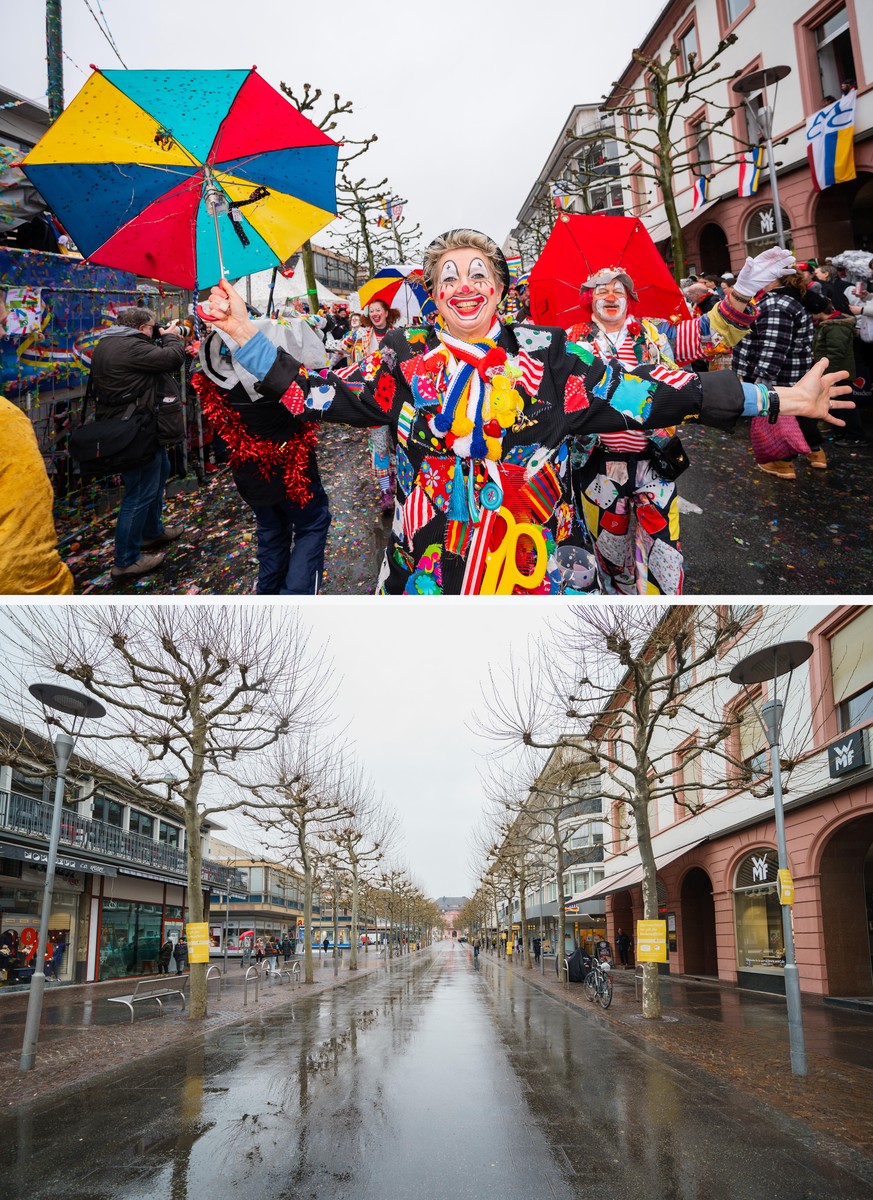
<point x="743" y="532"/>
<point x="427" y="1079"/>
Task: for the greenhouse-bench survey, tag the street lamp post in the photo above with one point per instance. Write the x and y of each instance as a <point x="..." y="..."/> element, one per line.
<point x="770" y="664"/>
<point x="80" y="707"/>
<point x="758" y="81"/>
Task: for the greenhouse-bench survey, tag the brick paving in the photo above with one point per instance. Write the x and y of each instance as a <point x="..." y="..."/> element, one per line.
<point x="744" y="1042"/>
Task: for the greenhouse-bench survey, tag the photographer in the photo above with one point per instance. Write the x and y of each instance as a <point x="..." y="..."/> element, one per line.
<point x="131" y="364"/>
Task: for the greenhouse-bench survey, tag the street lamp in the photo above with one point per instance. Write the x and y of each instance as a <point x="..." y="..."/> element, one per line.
<point x="771" y="663"/>
<point x="80" y="707"/>
<point x="757" y="81"/>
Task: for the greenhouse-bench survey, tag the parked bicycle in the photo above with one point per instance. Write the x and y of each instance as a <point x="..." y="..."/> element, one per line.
<point x="598" y="984"/>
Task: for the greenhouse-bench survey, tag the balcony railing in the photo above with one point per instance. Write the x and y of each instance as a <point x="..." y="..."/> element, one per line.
<point x="33" y="819"/>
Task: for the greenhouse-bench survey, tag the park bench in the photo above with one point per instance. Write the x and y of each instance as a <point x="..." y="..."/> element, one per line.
<point x="150" y="989"/>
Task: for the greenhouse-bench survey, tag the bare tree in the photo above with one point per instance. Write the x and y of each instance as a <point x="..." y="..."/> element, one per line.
<point x="193" y="693"/>
<point x="615" y="679"/>
<point x="650" y="130"/>
<point x="351" y="148"/>
<point x="301" y="800"/>
<point x="361" y="842"/>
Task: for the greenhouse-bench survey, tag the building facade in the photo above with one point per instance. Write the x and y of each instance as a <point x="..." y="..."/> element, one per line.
<point x="825" y="44"/>
<point x="717" y="859"/>
<point x="121" y="878"/>
<point x="580" y="174"/>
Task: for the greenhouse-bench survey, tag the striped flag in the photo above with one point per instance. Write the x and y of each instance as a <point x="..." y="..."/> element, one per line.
<point x="830" y="145"/>
<point x="750" y="171"/>
<point x="531" y="372"/>
<point x="701" y="189"/>
<point x="514" y="264"/>
<point x="672" y="378"/>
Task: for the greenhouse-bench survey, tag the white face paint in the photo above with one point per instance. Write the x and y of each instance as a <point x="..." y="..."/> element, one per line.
<point x="610" y="304"/>
<point x="466" y="294"/>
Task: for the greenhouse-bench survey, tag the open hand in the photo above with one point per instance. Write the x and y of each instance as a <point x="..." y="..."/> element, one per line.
<point x="815" y="394"/>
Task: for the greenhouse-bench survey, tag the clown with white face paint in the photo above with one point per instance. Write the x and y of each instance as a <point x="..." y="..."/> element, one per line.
<point x="481" y="421"/>
<point x="624" y="488"/>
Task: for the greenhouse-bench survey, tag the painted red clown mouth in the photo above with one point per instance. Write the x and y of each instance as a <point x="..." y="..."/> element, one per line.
<point x="466" y="306"/>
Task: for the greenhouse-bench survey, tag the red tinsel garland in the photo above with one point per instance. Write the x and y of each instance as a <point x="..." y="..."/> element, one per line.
<point x="291" y="458"/>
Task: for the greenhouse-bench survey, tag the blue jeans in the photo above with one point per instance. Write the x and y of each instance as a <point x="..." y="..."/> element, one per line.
<point x="291" y="543"/>
<point x="139" y="516"/>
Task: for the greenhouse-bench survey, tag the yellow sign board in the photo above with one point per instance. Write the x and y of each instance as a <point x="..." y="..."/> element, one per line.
<point x="197" y="933"/>
<point x="786" y="887"/>
<point x="651" y="941"/>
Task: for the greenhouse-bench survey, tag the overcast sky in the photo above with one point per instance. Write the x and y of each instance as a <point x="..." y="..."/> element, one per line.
<point x="411" y="678"/>
<point x="467" y="96"/>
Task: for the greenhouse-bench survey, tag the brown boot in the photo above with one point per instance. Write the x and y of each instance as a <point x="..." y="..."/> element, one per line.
<point x="781" y="469"/>
<point x="817" y="459"/>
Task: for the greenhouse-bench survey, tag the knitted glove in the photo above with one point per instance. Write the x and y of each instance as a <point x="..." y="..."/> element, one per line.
<point x="765" y="268"/>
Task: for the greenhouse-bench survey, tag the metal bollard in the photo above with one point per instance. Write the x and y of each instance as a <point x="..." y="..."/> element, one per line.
<point x="257" y="978"/>
<point x="215" y="973"/>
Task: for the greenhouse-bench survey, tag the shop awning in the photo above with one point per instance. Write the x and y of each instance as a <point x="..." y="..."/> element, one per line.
<point x="634" y="875"/>
<point x="68" y="862"/>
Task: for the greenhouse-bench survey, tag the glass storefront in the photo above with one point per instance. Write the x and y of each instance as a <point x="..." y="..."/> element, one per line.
<point x="20" y="914"/>
<point x="130" y="938"/>
<point x="758" y="914"/>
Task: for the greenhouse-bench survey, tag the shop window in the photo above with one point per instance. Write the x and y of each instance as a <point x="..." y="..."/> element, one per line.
<point x="758" y="914"/>
<point x="130" y="937"/>
<point x="110" y="812"/>
<point x="761" y="231"/>
<point x="141" y="823"/>
<point x="28" y="784"/>
<point x="852" y="671"/>
<point x="833" y="48"/>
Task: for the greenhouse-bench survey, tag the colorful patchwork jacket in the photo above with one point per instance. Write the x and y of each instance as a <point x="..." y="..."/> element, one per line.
<point x="489" y="525"/>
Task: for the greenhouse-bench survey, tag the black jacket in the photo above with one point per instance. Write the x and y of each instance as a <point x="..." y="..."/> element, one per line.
<point x="126" y="363"/>
<point x="569" y="396"/>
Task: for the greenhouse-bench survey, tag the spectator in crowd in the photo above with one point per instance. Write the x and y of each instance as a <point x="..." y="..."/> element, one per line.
<point x="180" y="954"/>
<point x="272" y="459"/>
<point x="835" y="339"/>
<point x="29" y="561"/>
<point x="164" y="955"/>
<point x="778" y="352"/>
<point x="128" y="362"/>
<point x="832" y="287"/>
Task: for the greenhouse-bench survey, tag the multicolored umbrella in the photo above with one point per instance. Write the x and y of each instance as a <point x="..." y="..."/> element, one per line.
<point x="146" y="169"/>
<point x="578" y="246"/>
<point x="401" y="287"/>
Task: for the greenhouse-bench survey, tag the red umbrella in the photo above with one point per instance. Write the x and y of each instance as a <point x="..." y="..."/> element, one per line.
<point x="578" y="246"/>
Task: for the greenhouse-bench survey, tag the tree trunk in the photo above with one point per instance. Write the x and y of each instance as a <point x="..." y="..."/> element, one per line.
<point x="196" y="971"/>
<point x="309" y="271"/>
<point x="307" y="917"/>
<point x="353" y="935"/>
<point x="525" y="940"/>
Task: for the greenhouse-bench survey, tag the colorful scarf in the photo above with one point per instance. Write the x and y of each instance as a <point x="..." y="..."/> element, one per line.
<point x="465" y="385"/>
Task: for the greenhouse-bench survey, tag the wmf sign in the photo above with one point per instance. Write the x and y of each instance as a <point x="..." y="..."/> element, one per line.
<point x="848" y="754"/>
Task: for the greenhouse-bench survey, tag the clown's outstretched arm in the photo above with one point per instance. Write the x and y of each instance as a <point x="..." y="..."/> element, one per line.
<point x="346" y="399"/>
<point x="605" y="397"/>
<point x="732" y="318"/>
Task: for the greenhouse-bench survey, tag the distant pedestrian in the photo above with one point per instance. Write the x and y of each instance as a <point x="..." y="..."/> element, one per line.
<point x="537" y="949"/>
<point x="622" y="945"/>
<point x="164" y="955"/>
<point x="287" y="948"/>
<point x="259" y="951"/>
<point x="325" y="945"/>
<point x="180" y="954"/>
